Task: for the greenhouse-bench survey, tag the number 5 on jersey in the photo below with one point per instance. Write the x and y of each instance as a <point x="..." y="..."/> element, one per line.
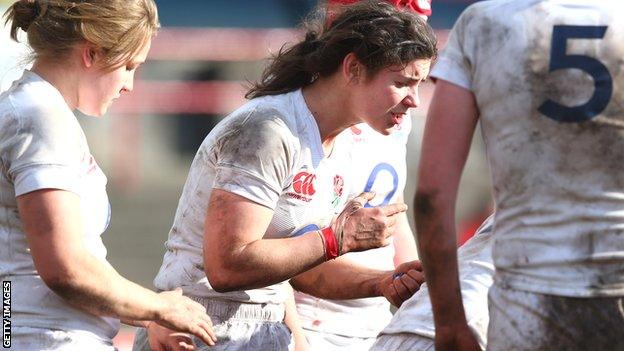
<point x="603" y="83"/>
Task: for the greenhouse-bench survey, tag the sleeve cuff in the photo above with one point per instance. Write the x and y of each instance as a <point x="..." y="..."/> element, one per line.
<point x="38" y="177"/>
<point x="451" y="71"/>
<point x="247" y="185"/>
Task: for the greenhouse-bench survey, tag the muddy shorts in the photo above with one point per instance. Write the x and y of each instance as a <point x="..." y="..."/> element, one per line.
<point x="35" y="339"/>
<point x="403" y="342"/>
<point x="522" y="320"/>
<point x="238" y="327"/>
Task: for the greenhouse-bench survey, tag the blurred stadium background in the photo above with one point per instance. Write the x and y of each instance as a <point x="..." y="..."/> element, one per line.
<point x="195" y="74"/>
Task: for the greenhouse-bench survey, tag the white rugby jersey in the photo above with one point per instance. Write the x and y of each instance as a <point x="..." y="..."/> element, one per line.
<point x="268" y="151"/>
<point x="42" y="146"/>
<point x="476" y="272"/>
<point x="377" y="163"/>
<point x="547" y="76"/>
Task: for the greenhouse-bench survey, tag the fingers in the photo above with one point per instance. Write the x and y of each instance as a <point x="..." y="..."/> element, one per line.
<point x="207" y="327"/>
<point x="411" y="282"/>
<point x="411" y="265"/>
<point x="181" y="342"/>
<point x="390" y="221"/>
<point x="164" y="339"/>
<point x="417" y="276"/>
<point x="391" y="210"/>
<point x="203" y="325"/>
<point x="363" y="198"/>
<point x="392" y="296"/>
<point x="402" y="292"/>
<point x="403" y="285"/>
<point x="184" y="346"/>
<point x="203" y="335"/>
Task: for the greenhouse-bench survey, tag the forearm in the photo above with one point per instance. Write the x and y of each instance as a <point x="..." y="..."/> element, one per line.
<point x="340" y="279"/>
<point x="95" y="287"/>
<point x="441" y="164"/>
<point x="404" y="243"/>
<point x="293" y="322"/>
<point x="438" y="253"/>
<point x="238" y="257"/>
<point x="265" y="262"/>
<point x="54" y="231"/>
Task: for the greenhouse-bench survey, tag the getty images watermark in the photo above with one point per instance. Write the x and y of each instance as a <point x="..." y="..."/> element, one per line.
<point x="6" y="314"/>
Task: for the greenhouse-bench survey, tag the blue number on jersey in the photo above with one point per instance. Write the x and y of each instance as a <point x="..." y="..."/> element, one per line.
<point x="603" y="82"/>
<point x="307" y="228"/>
<point x="373" y="176"/>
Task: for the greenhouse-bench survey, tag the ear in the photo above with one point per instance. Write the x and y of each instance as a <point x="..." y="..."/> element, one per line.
<point x="352" y="69"/>
<point x="88" y="55"/>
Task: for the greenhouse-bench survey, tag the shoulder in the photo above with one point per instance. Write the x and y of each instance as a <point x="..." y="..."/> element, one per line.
<point x="262" y="127"/>
<point x="37" y="126"/>
<point x="487" y="13"/>
<point x="37" y="107"/>
<point x="257" y="120"/>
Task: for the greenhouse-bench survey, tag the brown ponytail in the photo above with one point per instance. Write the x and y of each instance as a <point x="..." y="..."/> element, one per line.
<point x="376" y="32"/>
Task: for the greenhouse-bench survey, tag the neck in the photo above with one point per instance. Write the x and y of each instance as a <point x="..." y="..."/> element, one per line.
<point x="329" y="106"/>
<point x="63" y="79"/>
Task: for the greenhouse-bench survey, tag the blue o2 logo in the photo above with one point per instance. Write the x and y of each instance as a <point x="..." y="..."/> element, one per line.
<point x="382" y="167"/>
<point x="603" y="82"/>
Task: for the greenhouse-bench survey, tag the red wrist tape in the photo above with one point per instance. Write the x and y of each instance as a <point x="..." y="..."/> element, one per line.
<point x="331" y="243"/>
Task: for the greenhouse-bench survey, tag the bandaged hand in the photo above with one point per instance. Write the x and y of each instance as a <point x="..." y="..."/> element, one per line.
<point x="358" y="228"/>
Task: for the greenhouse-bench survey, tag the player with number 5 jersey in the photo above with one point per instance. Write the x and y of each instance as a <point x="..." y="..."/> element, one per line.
<point x="544" y="78"/>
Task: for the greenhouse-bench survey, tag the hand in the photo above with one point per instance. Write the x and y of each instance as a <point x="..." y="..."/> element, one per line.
<point x="185" y="315"/>
<point x="358" y="228"/>
<point x="459" y="338"/>
<point x="164" y="339"/>
<point x="402" y="283"/>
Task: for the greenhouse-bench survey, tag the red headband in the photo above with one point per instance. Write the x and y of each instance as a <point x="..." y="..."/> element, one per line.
<point x="421" y="7"/>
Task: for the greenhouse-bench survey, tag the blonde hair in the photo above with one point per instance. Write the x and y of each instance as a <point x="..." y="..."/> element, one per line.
<point x="118" y="28"/>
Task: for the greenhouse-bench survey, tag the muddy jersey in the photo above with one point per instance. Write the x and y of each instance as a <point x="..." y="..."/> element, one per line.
<point x="268" y="151"/>
<point x="377" y="163"/>
<point x="42" y="146"/>
<point x="548" y="80"/>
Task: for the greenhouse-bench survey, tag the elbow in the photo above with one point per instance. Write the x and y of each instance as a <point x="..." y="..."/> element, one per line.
<point x="65" y="285"/>
<point x="222" y="280"/>
<point x="220" y="284"/>
<point x="298" y="284"/>
<point x="302" y="284"/>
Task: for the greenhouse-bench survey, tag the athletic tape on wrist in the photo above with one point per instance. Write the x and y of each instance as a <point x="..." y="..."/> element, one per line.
<point x="332" y="248"/>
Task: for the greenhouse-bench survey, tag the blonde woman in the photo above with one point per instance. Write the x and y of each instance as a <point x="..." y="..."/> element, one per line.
<point x="53" y="202"/>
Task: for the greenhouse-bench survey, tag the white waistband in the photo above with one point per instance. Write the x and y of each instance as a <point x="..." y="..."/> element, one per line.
<point x="227" y="310"/>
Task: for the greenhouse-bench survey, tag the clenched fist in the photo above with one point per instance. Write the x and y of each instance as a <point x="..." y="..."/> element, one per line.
<point x="401" y="284"/>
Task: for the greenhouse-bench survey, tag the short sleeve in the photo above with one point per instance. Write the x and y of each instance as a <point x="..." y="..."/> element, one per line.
<point x="454" y="63"/>
<point x="42" y="149"/>
<point x="255" y="157"/>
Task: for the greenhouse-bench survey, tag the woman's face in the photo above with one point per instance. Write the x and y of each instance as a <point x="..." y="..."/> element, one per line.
<point x="102" y="86"/>
<point x="384" y="99"/>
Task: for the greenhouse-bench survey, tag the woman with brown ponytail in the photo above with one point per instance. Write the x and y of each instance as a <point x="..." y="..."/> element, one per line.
<point x="260" y="203"/>
<point x="53" y="203"/>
